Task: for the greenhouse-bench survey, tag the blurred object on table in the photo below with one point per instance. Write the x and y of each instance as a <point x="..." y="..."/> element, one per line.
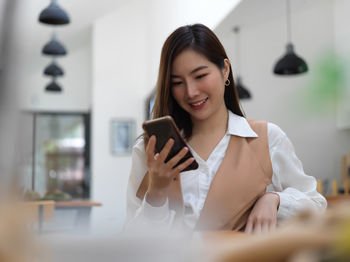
<point x="57" y="195"/>
<point x="346" y="172"/>
<point x="31" y="195"/>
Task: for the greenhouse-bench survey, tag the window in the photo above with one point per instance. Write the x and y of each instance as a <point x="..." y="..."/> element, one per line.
<point x="61" y="166"/>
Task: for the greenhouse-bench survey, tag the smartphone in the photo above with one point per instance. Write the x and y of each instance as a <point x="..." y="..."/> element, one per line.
<point x="165" y="128"/>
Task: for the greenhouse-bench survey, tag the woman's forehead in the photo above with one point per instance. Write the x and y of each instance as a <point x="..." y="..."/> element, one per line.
<point x="189" y="60"/>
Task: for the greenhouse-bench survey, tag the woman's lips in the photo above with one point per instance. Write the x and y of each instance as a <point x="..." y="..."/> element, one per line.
<point x="199" y="105"/>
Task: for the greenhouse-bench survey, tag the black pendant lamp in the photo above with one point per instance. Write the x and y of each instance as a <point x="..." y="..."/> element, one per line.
<point x="53" y="70"/>
<point x="54" y="47"/>
<point x="54" y="15"/>
<point x="290" y="63"/>
<point x="53" y="86"/>
<point x="243" y="92"/>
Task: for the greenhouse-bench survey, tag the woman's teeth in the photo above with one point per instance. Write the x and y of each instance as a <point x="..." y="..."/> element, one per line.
<point x="199" y="103"/>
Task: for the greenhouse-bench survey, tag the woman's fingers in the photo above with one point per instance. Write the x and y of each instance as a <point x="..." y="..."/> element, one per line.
<point x="257" y="228"/>
<point x="172" y="162"/>
<point x="249" y="227"/>
<point x="265" y="227"/>
<point x="183" y="165"/>
<point x="158" y="160"/>
<point x="150" y="149"/>
<point x="166" y="149"/>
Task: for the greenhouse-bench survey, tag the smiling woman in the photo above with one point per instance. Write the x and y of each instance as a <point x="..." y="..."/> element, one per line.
<point x="249" y="176"/>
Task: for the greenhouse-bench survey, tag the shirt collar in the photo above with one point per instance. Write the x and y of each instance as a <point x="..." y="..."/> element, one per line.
<point x="239" y="126"/>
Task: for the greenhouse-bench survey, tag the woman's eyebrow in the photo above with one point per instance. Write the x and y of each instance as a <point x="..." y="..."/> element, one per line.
<point x="193" y="71"/>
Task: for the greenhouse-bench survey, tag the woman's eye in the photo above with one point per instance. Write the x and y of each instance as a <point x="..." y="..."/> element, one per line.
<point x="201" y="76"/>
<point x="176" y="83"/>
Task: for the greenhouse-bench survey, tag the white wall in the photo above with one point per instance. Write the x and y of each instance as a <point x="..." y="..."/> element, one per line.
<point x="342" y="45"/>
<point x="126" y="52"/>
<point x="282" y="100"/>
<point x="119" y="55"/>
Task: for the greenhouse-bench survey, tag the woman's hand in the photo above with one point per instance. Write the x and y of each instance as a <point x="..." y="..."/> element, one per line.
<point x="162" y="174"/>
<point x="263" y="217"/>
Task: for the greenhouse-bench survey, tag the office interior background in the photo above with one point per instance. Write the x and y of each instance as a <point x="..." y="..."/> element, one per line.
<point x="111" y="69"/>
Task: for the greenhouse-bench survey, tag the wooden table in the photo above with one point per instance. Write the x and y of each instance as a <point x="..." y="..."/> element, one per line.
<point x="334" y="200"/>
<point x="338" y="198"/>
<point x="217" y="236"/>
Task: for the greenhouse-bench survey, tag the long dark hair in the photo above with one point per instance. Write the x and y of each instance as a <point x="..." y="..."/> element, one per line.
<point x="201" y="39"/>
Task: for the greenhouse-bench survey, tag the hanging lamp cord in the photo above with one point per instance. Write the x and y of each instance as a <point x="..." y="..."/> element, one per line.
<point x="289" y="33"/>
<point x="236" y="30"/>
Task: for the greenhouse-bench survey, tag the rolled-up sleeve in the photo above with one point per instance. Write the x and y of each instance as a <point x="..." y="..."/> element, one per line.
<point x="297" y="190"/>
<point x="140" y="214"/>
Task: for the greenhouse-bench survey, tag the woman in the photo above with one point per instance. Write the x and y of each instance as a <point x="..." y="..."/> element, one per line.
<point x="248" y="175"/>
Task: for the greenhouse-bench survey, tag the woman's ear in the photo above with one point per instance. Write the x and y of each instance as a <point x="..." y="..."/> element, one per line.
<point x="226" y="68"/>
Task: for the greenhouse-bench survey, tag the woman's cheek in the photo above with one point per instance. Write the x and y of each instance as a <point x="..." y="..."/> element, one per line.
<point x="176" y="95"/>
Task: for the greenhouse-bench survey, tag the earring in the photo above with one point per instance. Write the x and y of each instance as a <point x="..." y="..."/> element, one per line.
<point x="227" y="82"/>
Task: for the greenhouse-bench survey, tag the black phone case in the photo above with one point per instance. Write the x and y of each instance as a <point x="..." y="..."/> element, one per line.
<point x="165" y="128"/>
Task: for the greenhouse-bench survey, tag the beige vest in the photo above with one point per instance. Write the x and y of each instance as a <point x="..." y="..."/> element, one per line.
<point x="241" y="179"/>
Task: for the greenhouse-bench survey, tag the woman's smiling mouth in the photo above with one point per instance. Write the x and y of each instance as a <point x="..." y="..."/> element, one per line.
<point x="199" y="104"/>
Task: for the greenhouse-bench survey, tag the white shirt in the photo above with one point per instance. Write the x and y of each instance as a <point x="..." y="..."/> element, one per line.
<point x="297" y="190"/>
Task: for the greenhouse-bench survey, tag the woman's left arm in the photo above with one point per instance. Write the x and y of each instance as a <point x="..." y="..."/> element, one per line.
<point x="296" y="191"/>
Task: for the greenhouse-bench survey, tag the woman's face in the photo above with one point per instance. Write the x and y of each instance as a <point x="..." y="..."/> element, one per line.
<point x="198" y="85"/>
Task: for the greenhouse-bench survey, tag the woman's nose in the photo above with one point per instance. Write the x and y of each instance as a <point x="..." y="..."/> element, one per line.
<point x="192" y="90"/>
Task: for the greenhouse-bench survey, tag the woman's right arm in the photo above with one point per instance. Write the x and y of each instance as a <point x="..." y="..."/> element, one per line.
<point x="153" y="210"/>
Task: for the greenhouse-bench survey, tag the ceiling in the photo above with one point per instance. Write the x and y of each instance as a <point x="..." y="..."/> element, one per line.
<point x="254" y="12"/>
<point x="84" y="12"/>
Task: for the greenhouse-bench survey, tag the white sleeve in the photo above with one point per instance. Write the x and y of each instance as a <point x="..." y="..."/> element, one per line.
<point x="297" y="190"/>
<point x="140" y="215"/>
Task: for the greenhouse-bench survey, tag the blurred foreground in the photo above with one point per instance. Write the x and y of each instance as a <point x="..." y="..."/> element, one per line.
<point x="309" y="237"/>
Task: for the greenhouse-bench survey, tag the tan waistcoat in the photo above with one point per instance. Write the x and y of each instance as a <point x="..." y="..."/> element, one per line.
<point x="241" y="179"/>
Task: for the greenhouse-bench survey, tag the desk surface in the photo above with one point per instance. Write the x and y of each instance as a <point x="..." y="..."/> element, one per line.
<point x="338" y="198"/>
<point x="38" y="203"/>
<point x="77" y="203"/>
<point x="209" y="236"/>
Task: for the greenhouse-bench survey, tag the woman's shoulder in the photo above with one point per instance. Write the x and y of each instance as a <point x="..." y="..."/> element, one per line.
<point x="275" y="133"/>
<point x="273" y="130"/>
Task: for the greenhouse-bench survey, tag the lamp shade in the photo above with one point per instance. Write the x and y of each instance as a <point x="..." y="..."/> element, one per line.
<point x="243" y="92"/>
<point x="54" y="48"/>
<point x="53" y="87"/>
<point x="290" y="63"/>
<point x="54" y="15"/>
<point x="53" y="70"/>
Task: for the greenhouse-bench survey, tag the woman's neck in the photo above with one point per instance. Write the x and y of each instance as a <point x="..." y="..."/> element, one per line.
<point x="217" y="123"/>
